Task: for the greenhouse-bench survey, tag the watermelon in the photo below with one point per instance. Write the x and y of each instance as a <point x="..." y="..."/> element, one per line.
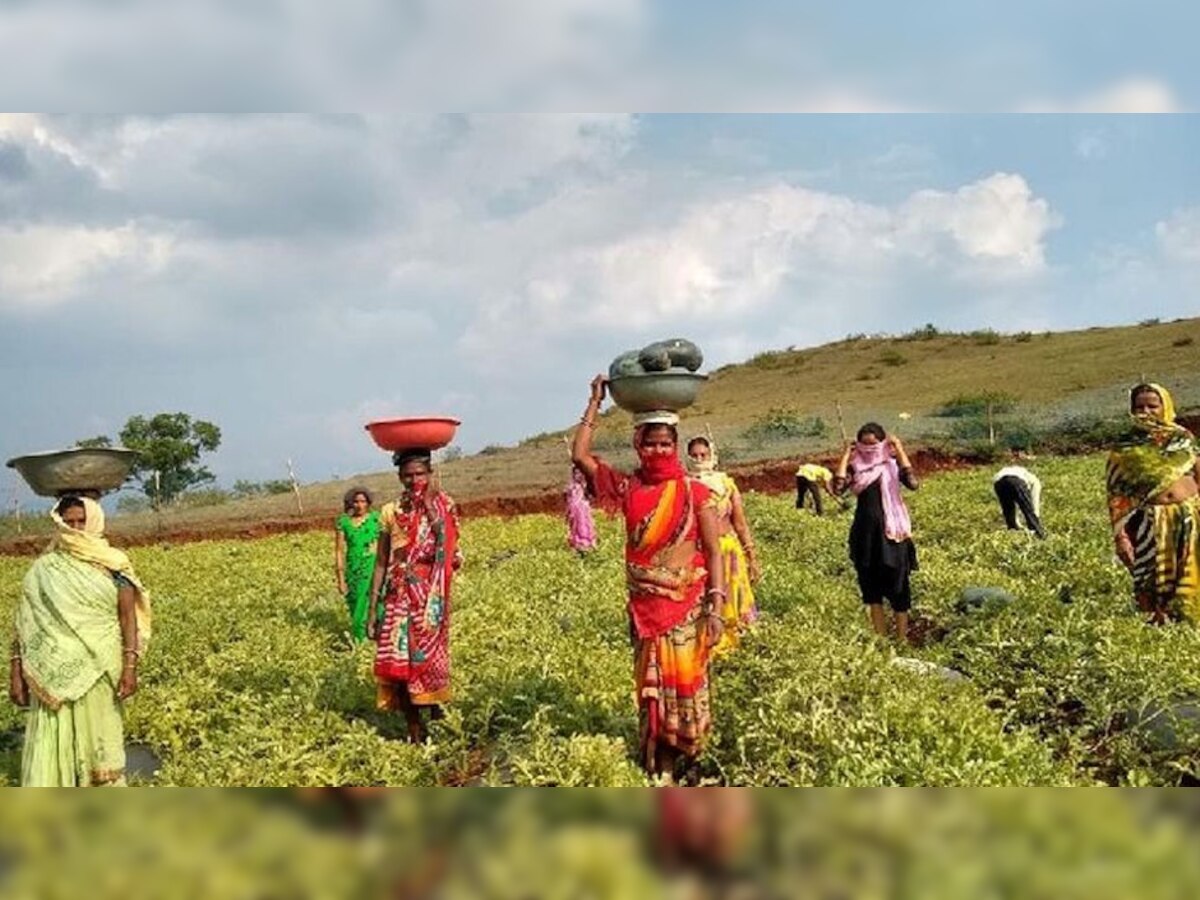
<point x="655" y="358"/>
<point x="626" y="364"/>
<point x="682" y="352"/>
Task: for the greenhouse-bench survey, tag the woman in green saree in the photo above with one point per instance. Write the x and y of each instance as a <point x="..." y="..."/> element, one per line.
<point x="357" y="536"/>
<point x="82" y="623"/>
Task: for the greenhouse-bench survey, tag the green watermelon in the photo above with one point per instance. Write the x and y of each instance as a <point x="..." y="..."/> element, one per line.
<point x="682" y="353"/>
<point x="655" y="358"/>
<point x="626" y="364"/>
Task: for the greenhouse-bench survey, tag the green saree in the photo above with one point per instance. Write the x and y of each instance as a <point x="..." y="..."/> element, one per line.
<point x="361" y="541"/>
<point x="70" y="641"/>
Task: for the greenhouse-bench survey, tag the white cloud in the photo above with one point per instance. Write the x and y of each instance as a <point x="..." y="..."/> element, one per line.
<point x="1136" y="94"/>
<point x="727" y="258"/>
<point x="1179" y="235"/>
<point x="44" y="265"/>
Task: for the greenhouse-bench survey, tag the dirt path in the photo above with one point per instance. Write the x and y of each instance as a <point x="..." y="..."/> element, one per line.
<point x="768" y="478"/>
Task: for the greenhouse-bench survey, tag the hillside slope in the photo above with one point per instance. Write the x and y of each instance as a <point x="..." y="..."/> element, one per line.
<point x="1051" y="375"/>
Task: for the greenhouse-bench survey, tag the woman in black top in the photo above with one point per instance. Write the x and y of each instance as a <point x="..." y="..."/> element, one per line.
<point x="881" y="547"/>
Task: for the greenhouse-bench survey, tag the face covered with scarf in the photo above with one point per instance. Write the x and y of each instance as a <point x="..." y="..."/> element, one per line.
<point x="657" y="448"/>
<point x="871" y="461"/>
<point x="1155" y="454"/>
<point x="702" y="455"/>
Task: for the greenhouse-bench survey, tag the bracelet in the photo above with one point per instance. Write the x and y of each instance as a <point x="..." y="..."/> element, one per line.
<point x="16" y="657"/>
<point x="136" y="653"/>
<point x="587" y="423"/>
<point x="717" y="591"/>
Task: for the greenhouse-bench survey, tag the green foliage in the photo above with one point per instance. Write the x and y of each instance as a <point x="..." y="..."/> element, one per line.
<point x="169" y="444"/>
<point x="252" y="679"/>
<point x="243" y="488"/>
<point x="965" y="405"/>
<point x="927" y="332"/>
<point x="892" y="358"/>
<point x="782" y="424"/>
<point x="985" y="337"/>
<point x="100" y="441"/>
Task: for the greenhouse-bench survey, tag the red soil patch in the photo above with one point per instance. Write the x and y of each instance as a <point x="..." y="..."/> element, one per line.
<point x="767" y="478"/>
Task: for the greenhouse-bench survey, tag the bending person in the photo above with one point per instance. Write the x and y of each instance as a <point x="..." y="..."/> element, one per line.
<point x="811" y="480"/>
<point x="1154" y="507"/>
<point x="1018" y="488"/>
<point x="676" y="581"/>
<point x="881" y="546"/>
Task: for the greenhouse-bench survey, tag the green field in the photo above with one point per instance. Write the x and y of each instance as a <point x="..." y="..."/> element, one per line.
<point x="251" y="679"/>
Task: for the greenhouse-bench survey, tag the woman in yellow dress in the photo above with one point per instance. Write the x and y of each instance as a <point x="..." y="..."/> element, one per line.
<point x="742" y="570"/>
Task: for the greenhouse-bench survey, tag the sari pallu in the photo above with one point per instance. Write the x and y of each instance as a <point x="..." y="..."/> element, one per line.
<point x="738" y="608"/>
<point x="665" y="577"/>
<point x="70" y="641"/>
<point x="413" y="651"/>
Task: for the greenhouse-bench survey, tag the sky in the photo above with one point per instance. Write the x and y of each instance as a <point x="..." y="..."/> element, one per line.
<point x="291" y="275"/>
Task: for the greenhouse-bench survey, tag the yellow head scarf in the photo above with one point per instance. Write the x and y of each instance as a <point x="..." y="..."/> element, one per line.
<point x="89" y="545"/>
<point x="1168" y="402"/>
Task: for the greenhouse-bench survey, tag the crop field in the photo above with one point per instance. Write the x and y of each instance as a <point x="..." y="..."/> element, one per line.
<point x="252" y="679"/>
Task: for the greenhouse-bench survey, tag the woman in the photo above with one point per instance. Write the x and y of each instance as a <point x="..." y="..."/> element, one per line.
<point x="1018" y="488"/>
<point x="357" y="533"/>
<point x="83" y="622"/>
<point x="414" y="567"/>
<point x="581" y="527"/>
<point x="881" y="547"/>
<point x="1154" y="508"/>
<point x="740" y="561"/>
<point x="676" y="581"/>
<point x="811" y="479"/>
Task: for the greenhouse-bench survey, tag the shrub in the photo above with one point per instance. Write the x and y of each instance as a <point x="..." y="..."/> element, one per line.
<point x="926" y="332"/>
<point x="781" y="424"/>
<point x="1023" y="337"/>
<point x="492" y="450"/>
<point x="892" y="358"/>
<point x="977" y="404"/>
<point x="1147" y="323"/>
<point x="985" y="337"/>
<point x="1183" y="342"/>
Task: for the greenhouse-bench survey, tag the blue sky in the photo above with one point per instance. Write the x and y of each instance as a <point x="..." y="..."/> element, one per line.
<point x="290" y="277"/>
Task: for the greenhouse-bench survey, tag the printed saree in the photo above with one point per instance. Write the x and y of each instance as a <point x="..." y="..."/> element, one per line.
<point x="413" y="651"/>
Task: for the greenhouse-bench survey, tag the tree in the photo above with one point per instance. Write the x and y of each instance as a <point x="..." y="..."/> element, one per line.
<point x="170" y="444"/>
<point x="99" y="441"/>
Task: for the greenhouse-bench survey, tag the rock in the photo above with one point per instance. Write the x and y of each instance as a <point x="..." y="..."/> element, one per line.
<point x="923" y="667"/>
<point x="141" y="762"/>
<point x="976" y="598"/>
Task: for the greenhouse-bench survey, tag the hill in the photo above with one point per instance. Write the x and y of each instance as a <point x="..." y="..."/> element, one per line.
<point x="783" y="403"/>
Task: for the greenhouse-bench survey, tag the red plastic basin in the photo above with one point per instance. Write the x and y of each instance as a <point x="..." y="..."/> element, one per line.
<point x="429" y="432"/>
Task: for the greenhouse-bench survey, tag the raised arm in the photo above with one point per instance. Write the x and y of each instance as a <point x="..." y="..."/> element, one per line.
<point x="843" y="468"/>
<point x="581" y="448"/>
<point x="908" y="476"/>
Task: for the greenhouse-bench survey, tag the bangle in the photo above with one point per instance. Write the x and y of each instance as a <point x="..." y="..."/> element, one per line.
<point x="16" y="657"/>
<point x="717" y="591"/>
<point x="587" y="423"/>
<point x="132" y="653"/>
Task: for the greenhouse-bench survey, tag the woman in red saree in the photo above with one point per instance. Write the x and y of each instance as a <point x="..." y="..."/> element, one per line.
<point x="415" y="563"/>
<point x="675" y="580"/>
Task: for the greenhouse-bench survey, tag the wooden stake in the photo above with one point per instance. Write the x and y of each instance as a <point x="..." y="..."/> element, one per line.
<point x="841" y="422"/>
<point x="991" y="425"/>
<point x="295" y="488"/>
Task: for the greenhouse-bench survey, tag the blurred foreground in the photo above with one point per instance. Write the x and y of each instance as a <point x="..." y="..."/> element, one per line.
<point x="708" y="842"/>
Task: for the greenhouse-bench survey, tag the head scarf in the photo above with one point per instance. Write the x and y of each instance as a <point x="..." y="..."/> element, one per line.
<point x="871" y="463"/>
<point x="91" y="546"/>
<point x="708" y="473"/>
<point x="1149" y="458"/>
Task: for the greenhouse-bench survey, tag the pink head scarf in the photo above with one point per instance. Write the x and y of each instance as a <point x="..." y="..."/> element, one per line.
<point x="871" y="463"/>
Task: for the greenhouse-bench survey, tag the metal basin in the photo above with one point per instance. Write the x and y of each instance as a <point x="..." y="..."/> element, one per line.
<point x="62" y="472"/>
<point x="672" y="391"/>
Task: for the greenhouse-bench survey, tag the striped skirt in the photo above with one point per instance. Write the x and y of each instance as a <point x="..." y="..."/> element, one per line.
<point x="671" y="671"/>
<point x="1166" y="569"/>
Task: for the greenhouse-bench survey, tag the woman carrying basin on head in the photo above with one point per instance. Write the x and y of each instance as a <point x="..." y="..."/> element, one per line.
<point x="675" y="579"/>
<point x="83" y="621"/>
<point x="416" y="559"/>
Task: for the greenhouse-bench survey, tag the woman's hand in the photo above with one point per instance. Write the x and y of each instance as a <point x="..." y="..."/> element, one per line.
<point x="896" y="444"/>
<point x="18" y="690"/>
<point x="1124" y="548"/>
<point x="755" y="569"/>
<point x="373" y="623"/>
<point x="599" y="389"/>
<point x="128" y="684"/>
<point x="714" y="628"/>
